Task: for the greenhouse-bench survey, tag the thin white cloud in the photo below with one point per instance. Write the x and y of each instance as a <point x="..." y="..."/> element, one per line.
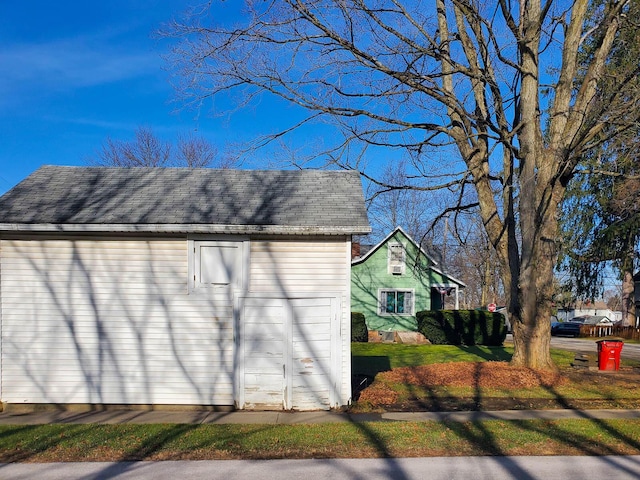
<point x="71" y="63"/>
<point x="93" y="122"/>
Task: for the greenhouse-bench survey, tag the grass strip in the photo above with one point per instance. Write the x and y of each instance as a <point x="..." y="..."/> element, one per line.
<point x="371" y="358"/>
<point x="49" y="443"/>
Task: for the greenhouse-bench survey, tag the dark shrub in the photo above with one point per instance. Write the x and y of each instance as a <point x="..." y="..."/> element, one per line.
<point x="431" y="324"/>
<point x="462" y="327"/>
<point x="359" y="331"/>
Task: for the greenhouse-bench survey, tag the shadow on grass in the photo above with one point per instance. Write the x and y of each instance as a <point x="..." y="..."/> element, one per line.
<point x="374" y="358"/>
<point x="475" y="433"/>
<point x="427" y="398"/>
<point x="575" y="439"/>
<point x="485" y="440"/>
<point x="489" y="354"/>
<point x="370" y="365"/>
<point x="33" y="441"/>
<point x="27" y="449"/>
<point x="166" y="441"/>
<point x="187" y="441"/>
<point x="377" y="358"/>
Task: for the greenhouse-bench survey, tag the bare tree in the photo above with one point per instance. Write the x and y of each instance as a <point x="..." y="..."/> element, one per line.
<point x="400" y="205"/>
<point x="474" y="261"/>
<point x="147" y="150"/>
<point x="504" y="83"/>
<point x="195" y="151"/>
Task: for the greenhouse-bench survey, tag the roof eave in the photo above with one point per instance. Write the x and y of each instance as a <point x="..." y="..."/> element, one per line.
<point x="183" y="228"/>
<point x="450" y="277"/>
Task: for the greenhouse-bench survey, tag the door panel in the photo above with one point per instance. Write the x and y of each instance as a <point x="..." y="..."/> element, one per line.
<point x="312" y="353"/>
<point x="288" y="352"/>
<point x="263" y="326"/>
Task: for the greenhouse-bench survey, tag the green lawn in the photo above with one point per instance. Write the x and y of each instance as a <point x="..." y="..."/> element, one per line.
<point x="371" y="358"/>
<point x="65" y="442"/>
<point x="584" y="389"/>
<point x="55" y="443"/>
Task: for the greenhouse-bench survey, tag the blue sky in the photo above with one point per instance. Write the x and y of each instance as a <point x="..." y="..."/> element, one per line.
<point x="76" y="72"/>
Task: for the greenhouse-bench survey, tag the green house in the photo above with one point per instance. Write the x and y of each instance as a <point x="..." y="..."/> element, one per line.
<point x="396" y="279"/>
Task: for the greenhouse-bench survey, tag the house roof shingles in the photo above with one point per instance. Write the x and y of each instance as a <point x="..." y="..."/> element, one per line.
<point x="204" y="200"/>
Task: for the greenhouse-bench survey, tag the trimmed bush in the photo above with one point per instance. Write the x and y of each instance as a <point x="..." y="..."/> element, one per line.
<point x="359" y="331"/>
<point x="462" y="327"/>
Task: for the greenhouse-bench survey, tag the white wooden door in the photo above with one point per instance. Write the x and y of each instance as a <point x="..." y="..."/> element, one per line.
<point x="288" y="353"/>
<point x="313" y="371"/>
<point x="264" y="349"/>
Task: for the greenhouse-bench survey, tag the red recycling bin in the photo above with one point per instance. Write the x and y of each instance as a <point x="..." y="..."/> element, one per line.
<point x="609" y="354"/>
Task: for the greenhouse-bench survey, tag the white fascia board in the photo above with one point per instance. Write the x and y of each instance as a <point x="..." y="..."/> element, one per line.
<point x="383" y="241"/>
<point x="183" y="228"/>
<point x="460" y="283"/>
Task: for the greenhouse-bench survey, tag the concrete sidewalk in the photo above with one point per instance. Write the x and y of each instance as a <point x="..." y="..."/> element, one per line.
<point x="290" y="418"/>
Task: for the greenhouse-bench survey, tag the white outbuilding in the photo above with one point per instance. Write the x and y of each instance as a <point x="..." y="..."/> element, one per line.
<point x="177" y="286"/>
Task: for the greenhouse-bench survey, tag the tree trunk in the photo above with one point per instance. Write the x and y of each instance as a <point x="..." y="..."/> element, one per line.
<point x="628" y="300"/>
<point x="628" y="284"/>
<point x="533" y="307"/>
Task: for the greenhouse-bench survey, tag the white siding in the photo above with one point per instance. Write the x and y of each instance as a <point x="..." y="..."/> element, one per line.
<point x="114" y="321"/>
<point x="111" y="321"/>
<point x="294" y="267"/>
<point x="289" y="266"/>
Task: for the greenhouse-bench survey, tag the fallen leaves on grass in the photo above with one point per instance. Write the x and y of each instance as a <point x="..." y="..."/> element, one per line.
<point x="473" y="374"/>
<point x="458" y="374"/>
<point x="378" y="394"/>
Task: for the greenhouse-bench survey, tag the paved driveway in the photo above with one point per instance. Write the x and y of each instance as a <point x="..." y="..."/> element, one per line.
<point x="588" y="345"/>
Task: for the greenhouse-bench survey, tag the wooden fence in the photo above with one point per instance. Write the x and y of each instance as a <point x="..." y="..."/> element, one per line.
<point x="628" y="333"/>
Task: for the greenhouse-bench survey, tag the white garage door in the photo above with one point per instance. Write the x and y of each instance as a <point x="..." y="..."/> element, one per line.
<point x="264" y="338"/>
<point x="288" y="353"/>
<point x="312" y="359"/>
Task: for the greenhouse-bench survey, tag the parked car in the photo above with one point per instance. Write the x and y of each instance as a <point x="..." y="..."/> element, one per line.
<point x="505" y="314"/>
<point x="592" y="320"/>
<point x="581" y="319"/>
<point x="568" y="329"/>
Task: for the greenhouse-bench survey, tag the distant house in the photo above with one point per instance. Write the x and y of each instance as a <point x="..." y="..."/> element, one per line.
<point x="397" y="278"/>
<point x="178" y="287"/>
<point x="596" y="309"/>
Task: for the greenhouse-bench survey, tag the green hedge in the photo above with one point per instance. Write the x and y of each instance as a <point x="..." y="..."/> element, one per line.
<point x="359" y="332"/>
<point x="462" y="327"/>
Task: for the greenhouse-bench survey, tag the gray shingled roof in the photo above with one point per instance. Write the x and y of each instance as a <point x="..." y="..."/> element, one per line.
<point x="57" y="198"/>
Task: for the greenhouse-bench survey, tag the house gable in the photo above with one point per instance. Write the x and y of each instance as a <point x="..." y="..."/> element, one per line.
<point x="389" y="296"/>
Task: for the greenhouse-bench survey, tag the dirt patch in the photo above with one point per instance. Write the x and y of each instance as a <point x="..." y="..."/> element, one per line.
<point x="381" y="396"/>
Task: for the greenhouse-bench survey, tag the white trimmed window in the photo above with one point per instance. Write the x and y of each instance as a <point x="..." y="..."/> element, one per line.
<point x="216" y="264"/>
<point x="396" y="258"/>
<point x="394" y="301"/>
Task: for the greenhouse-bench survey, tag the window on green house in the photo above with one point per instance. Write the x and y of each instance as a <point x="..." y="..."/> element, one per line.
<point x="394" y="301"/>
<point x="396" y="258"/>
